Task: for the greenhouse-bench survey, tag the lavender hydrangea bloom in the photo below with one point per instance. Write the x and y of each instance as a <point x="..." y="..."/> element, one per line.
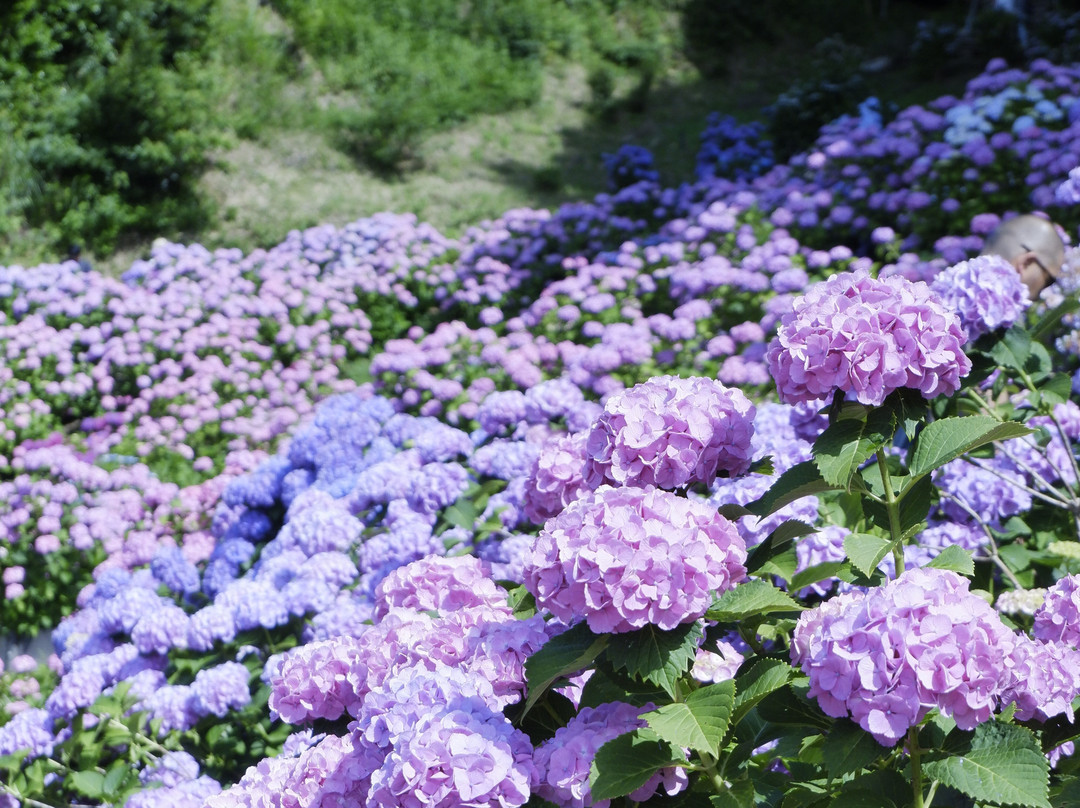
<point x="29" y="731"/>
<point x="176" y="572"/>
<point x="1045" y="678"/>
<point x="1058" y="619"/>
<point x="456" y="758"/>
<point x="329" y="774"/>
<point x="670" y="432"/>
<point x="986" y="291"/>
<point x="440" y="584"/>
<point x="622" y="558"/>
<point x="557" y="477"/>
<point x="1068" y="192"/>
<point x="888" y="656"/>
<point x="317" y="680"/>
<point x="221" y="688"/>
<point x="867" y="338"/>
<point x="563" y="762"/>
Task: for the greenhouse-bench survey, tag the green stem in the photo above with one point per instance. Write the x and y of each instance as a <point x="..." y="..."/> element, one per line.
<point x="916" y="767"/>
<point x="892" y="505"/>
<point x="708" y="764"/>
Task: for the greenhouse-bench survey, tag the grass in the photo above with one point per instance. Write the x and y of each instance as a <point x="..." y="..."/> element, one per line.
<point x="284" y="169"/>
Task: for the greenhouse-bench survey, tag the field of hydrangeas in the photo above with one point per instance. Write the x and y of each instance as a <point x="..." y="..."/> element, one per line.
<point x="601" y="503"/>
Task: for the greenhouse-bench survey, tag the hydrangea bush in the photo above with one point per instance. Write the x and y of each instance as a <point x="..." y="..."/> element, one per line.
<point x="380" y="517"/>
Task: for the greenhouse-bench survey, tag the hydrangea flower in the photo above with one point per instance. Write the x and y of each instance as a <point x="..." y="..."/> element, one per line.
<point x="622" y="558"/>
<point x="456" y="758"/>
<point x="867" y="338"/>
<point x="440" y="584"/>
<point x="670" y="432"/>
<point x="986" y="292"/>
<point x="557" y="477"/>
<point x="563" y="762"/>
<point x="1058" y="618"/>
<point x="886" y="657"/>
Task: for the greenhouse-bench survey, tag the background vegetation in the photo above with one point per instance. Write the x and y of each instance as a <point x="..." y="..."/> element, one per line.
<point x="234" y="121"/>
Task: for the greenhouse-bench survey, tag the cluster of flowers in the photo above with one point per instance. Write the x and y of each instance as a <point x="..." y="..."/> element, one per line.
<point x="867" y="338"/>
<point x="886" y="657"/>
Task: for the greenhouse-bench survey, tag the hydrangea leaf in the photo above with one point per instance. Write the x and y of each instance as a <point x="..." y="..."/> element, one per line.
<point x="848" y="443"/>
<point x="790" y="707"/>
<point x="624" y="764"/>
<point x="799" y="481"/>
<point x="562" y="655"/>
<point x="1013" y="349"/>
<point x="699" y="722"/>
<point x="886" y="788"/>
<point x="653" y="655"/>
<point x="777" y="542"/>
<point x="848" y="748"/>
<point x="948" y="438"/>
<point x="866" y="551"/>
<point x="821" y="572"/>
<point x="751" y="599"/>
<point x="739" y="795"/>
<point x="1004" y="766"/>
<point x="955" y="558"/>
<point x="88" y="783"/>
<point x="758" y="681"/>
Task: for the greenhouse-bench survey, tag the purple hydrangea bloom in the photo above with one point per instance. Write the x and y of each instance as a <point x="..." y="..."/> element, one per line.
<point x="622" y="558"/>
<point x="556" y="478"/>
<point x="988" y="489"/>
<point x="1068" y="193"/>
<point x="670" y="432"/>
<point x="456" y="758"/>
<point x="221" y="688"/>
<point x="986" y="291"/>
<point x="1045" y="679"/>
<point x="440" y="584"/>
<point x="29" y="731"/>
<point x="888" y="656"/>
<point x="1058" y="619"/>
<point x="317" y="680"/>
<point x="563" y="762"/>
<point x="176" y="572"/>
<point x="329" y="774"/>
<point x="867" y="338"/>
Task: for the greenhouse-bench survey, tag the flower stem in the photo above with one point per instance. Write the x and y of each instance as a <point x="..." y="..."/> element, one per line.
<point x="916" y="767"/>
<point x="892" y="506"/>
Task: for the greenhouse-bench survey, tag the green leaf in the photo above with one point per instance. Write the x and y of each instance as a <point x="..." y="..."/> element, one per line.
<point x="115" y="777"/>
<point x="562" y="655"/>
<point x="739" y="795"/>
<point x="1004" y="766"/>
<point x="915" y="502"/>
<point x="699" y="722"/>
<point x="758" y="681"/>
<point x="848" y="443"/>
<point x="821" y="572"/>
<point x="751" y="599"/>
<point x="955" y="558"/>
<point x="522" y="603"/>
<point x="777" y="542"/>
<point x="885" y="788"/>
<point x="623" y="764"/>
<point x="948" y="438"/>
<point x="90" y="784"/>
<point x="848" y="748"/>
<point x="790" y="707"/>
<point x="798" y="481"/>
<point x="1013" y="349"/>
<point x="866" y="551"/>
<point x="1057" y="389"/>
<point x="653" y="655"/>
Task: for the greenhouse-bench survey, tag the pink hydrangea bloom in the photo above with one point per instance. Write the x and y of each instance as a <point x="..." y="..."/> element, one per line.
<point x="318" y="680"/>
<point x="888" y="656"/>
<point x="867" y="338"/>
<point x="556" y="478"/>
<point x="622" y="558"/>
<point x="670" y="432"/>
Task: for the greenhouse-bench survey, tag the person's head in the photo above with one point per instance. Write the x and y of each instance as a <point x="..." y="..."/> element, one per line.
<point x="1032" y="245"/>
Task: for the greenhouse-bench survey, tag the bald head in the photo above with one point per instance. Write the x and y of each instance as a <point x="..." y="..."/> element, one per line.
<point x="1032" y="245"/>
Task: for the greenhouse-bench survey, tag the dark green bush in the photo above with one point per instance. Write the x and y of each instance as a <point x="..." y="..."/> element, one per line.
<point x="102" y="106"/>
